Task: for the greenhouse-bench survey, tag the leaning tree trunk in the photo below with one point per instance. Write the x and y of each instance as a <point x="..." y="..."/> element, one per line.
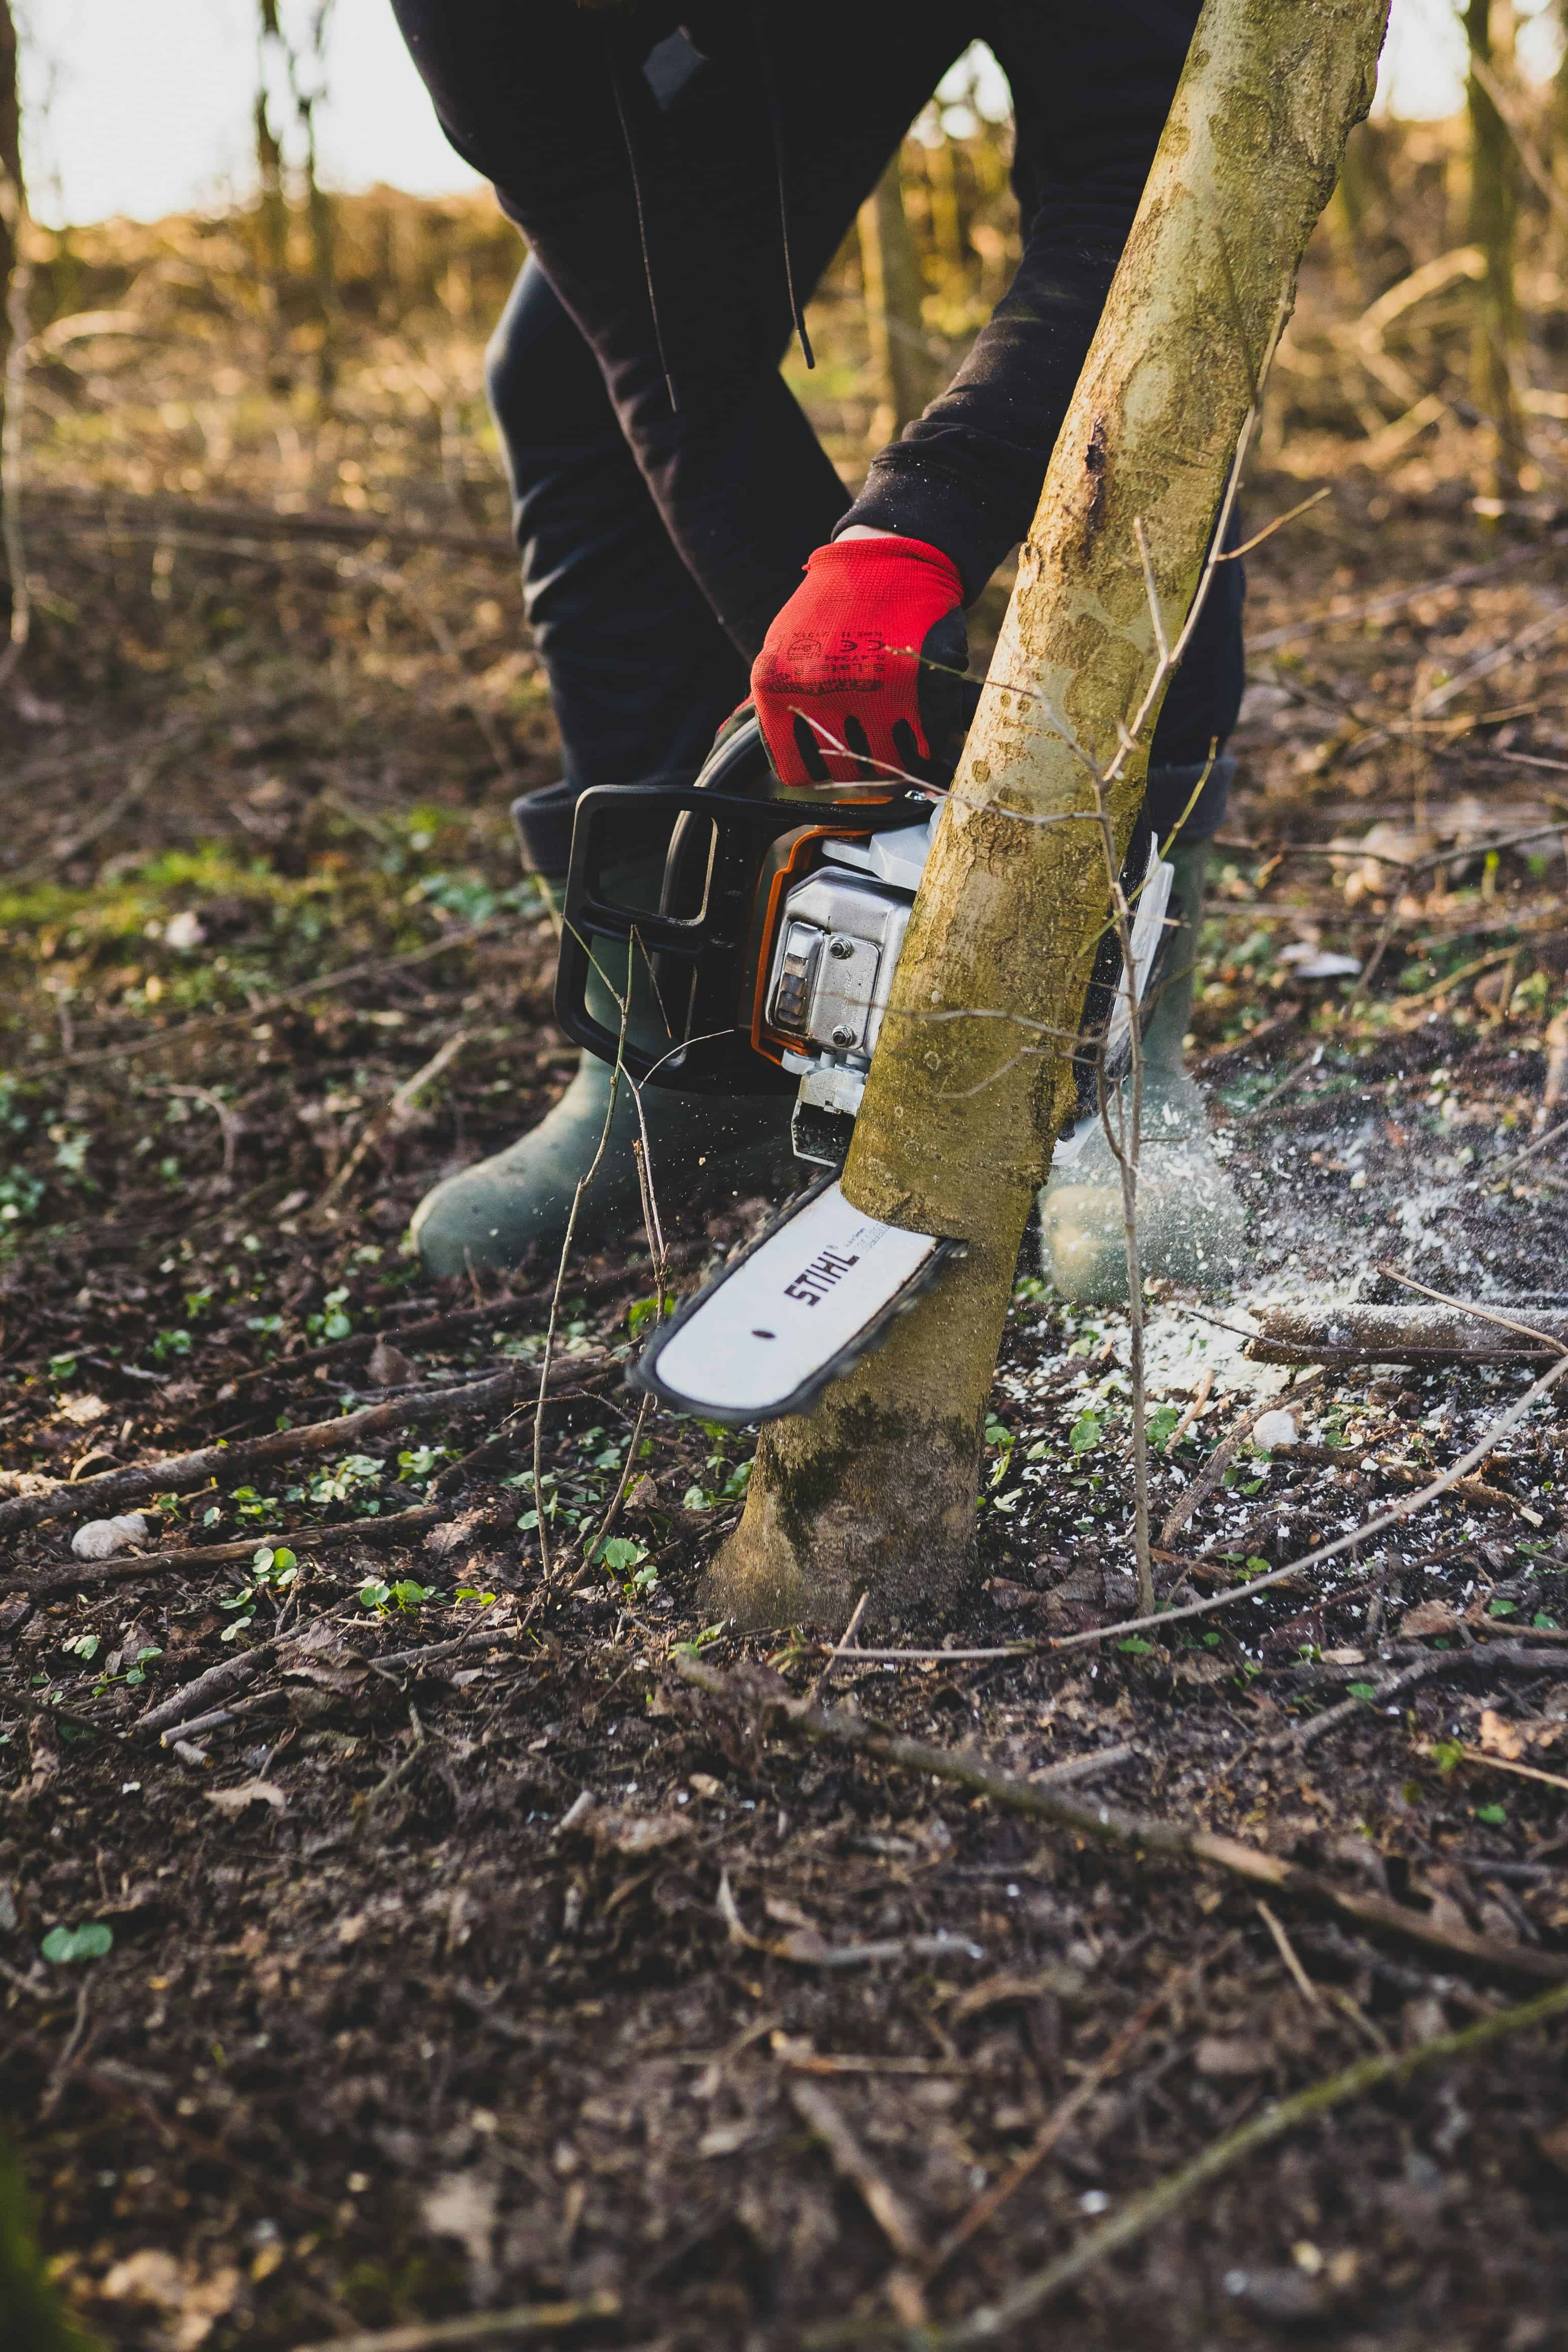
<point x="891" y="269"/>
<point x="876" y="1489"/>
<point x="1494" y="206"/>
<point x="12" y="340"/>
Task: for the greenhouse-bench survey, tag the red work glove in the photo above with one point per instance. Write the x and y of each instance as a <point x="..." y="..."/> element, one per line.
<point x="841" y="666"/>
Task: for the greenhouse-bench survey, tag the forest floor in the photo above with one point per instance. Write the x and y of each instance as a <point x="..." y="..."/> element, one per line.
<point x="471" y="1958"/>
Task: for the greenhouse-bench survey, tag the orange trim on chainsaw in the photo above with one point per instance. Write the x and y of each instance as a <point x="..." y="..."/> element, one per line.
<point x="770" y="1043"/>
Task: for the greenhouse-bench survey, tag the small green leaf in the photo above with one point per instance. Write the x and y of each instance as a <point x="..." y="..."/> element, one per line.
<point x="1134" y="1648"/>
<point x="1086" y="1431"/>
<point x="62" y="1367"/>
<point x="1502" y="1608"/>
<point x="1547" y="1624"/>
<point x="1447" y="1755"/>
<point x="472" y="1592"/>
<point x="1494" y="1816"/>
<point x="89" y="1942"/>
<point x="1361" y="1690"/>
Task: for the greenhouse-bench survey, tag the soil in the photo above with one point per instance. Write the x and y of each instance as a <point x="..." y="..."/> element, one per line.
<point x="491" y="1977"/>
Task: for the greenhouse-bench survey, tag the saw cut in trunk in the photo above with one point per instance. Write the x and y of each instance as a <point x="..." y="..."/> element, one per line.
<point x="875" y="1490"/>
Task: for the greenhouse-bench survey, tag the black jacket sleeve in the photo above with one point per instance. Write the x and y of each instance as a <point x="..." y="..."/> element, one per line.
<point x="1091" y="106"/>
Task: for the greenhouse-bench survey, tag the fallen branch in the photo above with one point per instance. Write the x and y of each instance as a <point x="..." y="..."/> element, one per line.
<point x="373" y="967"/>
<point x="125" y="1566"/>
<point x="1142" y="2212"/>
<point x="174" y="1474"/>
<point x="476" y="2328"/>
<point x="1441" y="1485"/>
<point x="845" y="1728"/>
<point x="108" y="509"/>
<point x="1297" y="1334"/>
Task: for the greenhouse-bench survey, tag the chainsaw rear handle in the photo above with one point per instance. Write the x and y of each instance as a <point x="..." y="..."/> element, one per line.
<point x="702" y="945"/>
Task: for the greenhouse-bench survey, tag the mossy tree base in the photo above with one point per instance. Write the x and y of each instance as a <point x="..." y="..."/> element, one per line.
<point x="874" y="1491"/>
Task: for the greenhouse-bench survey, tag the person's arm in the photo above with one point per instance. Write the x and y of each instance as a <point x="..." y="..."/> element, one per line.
<point x="961" y="484"/>
<point x="966" y="475"/>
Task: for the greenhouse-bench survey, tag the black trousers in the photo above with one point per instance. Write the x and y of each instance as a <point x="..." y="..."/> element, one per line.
<point x="657" y="542"/>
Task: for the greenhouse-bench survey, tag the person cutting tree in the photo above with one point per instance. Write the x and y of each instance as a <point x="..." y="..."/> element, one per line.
<point x="683" y="175"/>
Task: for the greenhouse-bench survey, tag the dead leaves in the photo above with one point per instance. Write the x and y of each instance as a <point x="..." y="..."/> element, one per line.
<point x="238" y="1800"/>
<point x="188" y="2305"/>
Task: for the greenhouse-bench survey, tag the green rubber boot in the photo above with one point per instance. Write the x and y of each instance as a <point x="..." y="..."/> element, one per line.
<point x="1190" y="1224"/>
<point x="492" y="1215"/>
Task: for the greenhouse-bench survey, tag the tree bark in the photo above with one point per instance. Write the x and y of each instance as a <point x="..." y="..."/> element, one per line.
<point x="876" y="1489"/>
<point x="891" y="272"/>
<point x="1494" y="206"/>
<point x="12" y="336"/>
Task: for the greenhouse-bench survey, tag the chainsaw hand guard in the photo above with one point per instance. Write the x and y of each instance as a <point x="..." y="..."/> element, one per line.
<point x="701" y="949"/>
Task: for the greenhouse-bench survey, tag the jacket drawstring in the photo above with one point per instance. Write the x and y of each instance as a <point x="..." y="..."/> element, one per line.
<point x="625" y="111"/>
<point x="764" y="58"/>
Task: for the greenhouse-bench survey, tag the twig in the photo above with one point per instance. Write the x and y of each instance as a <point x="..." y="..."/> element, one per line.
<point x="178" y="1473"/>
<point x="372" y="968"/>
<point x="1468" y="1306"/>
<point x="13" y="205"/>
<point x="838" y="1649"/>
<point x="476" y="2328"/>
<point x="1209" y="1477"/>
<point x="1141" y="2213"/>
<point x="102" y="819"/>
<point x="333" y="523"/>
<point x="989" y="2204"/>
<point x="847" y="1729"/>
<point x="397" y="1106"/>
<point x="1373" y="1527"/>
<point x="1493" y="1658"/>
<point x="1509" y="1764"/>
<point x="124" y="1567"/>
<point x="849" y="2160"/>
<point x="1286" y="1951"/>
<point x="61" y="2074"/>
<point x="616" y="1074"/>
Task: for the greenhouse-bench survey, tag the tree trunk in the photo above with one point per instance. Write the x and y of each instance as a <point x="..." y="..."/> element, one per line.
<point x="13" y="340"/>
<point x="876" y="1489"/>
<point x="1494" y="206"/>
<point x="890" y="271"/>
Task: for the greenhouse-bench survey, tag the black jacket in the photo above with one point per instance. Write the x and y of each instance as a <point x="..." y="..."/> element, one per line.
<point x="621" y="188"/>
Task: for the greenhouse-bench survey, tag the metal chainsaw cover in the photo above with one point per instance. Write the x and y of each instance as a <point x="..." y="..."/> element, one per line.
<point x="813" y="1293"/>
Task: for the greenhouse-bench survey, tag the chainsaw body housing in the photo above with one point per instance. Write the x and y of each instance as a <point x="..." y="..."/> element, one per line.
<point x="780" y="923"/>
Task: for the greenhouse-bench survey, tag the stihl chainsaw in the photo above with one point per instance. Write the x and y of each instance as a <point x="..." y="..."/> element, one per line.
<point x="769" y="962"/>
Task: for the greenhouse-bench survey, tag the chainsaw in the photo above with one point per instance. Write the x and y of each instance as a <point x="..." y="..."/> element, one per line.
<point x="769" y="962"/>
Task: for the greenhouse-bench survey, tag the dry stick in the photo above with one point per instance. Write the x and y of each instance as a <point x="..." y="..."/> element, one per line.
<point x="1510" y="1764"/>
<point x="1484" y="1314"/>
<point x="838" y="1649"/>
<point x="846" y="1729"/>
<point x="127" y="1565"/>
<point x="100" y="821"/>
<point x="986" y="2207"/>
<point x="375" y="1127"/>
<point x="1376" y="608"/>
<point x="372" y="968"/>
<point x="616" y="1074"/>
<point x="333" y="524"/>
<point x="1141" y="2213"/>
<point x="1373" y="1527"/>
<point x="850" y="2162"/>
<point x="1209" y="1477"/>
<point x="1288" y="1953"/>
<point x="20" y="328"/>
<point x="476" y="2327"/>
<point x="178" y="1473"/>
<point x="660" y="1261"/>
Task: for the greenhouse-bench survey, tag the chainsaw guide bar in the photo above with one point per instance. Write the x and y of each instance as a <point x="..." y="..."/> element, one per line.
<point x="809" y="1296"/>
